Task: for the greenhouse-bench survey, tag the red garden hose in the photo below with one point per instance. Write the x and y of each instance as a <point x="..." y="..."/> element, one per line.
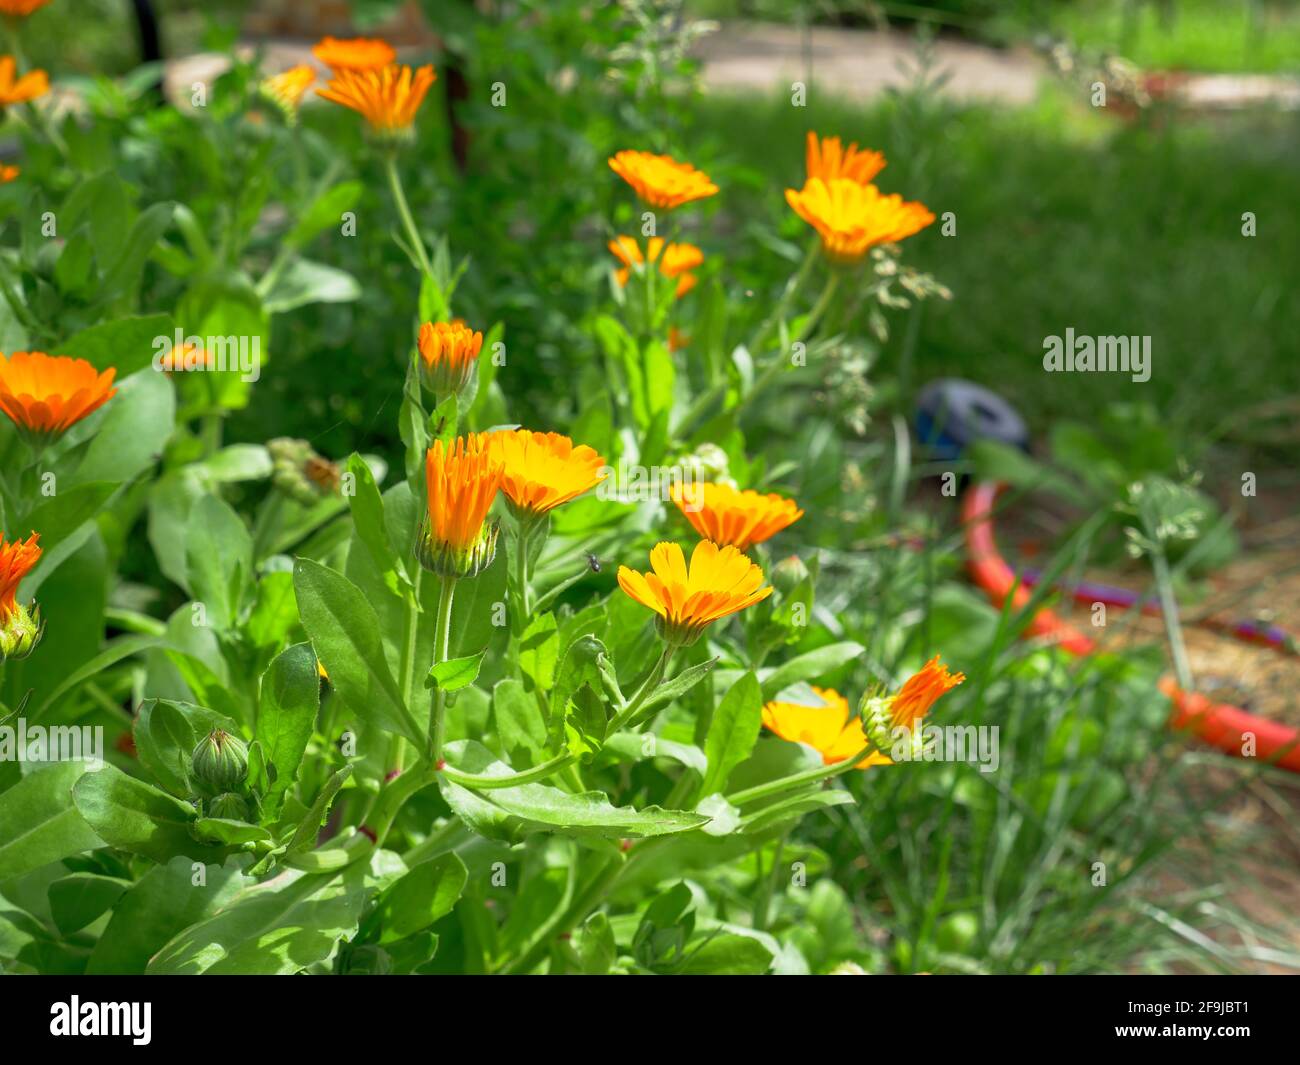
<point x="1219" y="724"/>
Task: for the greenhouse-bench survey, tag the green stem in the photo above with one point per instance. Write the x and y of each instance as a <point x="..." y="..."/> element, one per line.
<point x="1173" y="627"/>
<point x="810" y="776"/>
<point x="441" y="648"/>
<point x="411" y="630"/>
<point x="792" y="288"/>
<point x="404" y="212"/>
<point x="513" y="780"/>
<point x="628" y="713"/>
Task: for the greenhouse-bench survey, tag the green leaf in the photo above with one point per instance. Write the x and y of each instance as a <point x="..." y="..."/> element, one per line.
<point x="38" y="824"/>
<point x="424" y="895"/>
<point x="78" y="899"/>
<point x="672" y="689"/>
<point x="162" y="903"/>
<point x="539" y="651"/>
<point x="633" y="746"/>
<point x="456" y="673"/>
<point x="305" y="281"/>
<point x="793" y="807"/>
<point x="735" y="727"/>
<point x="595" y="945"/>
<point x="127" y="344"/>
<point x="367" y="507"/>
<point x="304" y="836"/>
<point x="728" y="954"/>
<point x="345" y="634"/>
<point x="512" y="813"/>
<point x="282" y="926"/>
<point x="586" y="663"/>
<point x="520" y="724"/>
<point x="810" y="666"/>
<point x="134" y="816"/>
<point x="115" y="651"/>
<point x="219" y="560"/>
<point x="286" y="715"/>
<point x="232" y="833"/>
<point x="136" y="425"/>
<point x="324" y="212"/>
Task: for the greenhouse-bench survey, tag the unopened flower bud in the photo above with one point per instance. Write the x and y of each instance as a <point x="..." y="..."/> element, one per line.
<point x="229" y="807"/>
<point x="788" y="574"/>
<point x="448" y="357"/>
<point x="220" y="761"/>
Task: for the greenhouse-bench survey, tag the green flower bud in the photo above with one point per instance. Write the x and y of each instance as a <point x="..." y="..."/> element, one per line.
<point x="228" y="806"/>
<point x="20" y="633"/>
<point x="788" y="574"/>
<point x="220" y="761"/>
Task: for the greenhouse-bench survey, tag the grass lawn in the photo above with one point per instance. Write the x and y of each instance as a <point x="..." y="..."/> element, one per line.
<point x="1067" y="218"/>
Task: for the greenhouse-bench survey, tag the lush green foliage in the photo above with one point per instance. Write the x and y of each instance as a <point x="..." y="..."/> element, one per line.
<point x="507" y="773"/>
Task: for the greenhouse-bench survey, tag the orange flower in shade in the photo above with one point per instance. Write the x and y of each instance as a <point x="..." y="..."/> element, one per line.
<point x="884" y="716"/>
<point x="448" y="356"/>
<point x="286" y="90"/>
<point x="660" y="180"/>
<point x="852" y="218"/>
<point x="20" y="8"/>
<point x="356" y="53"/>
<point x="20" y="629"/>
<point x="724" y="515"/>
<point x="827" y="159"/>
<point x="462" y="481"/>
<point x="15" y="90"/>
<point x="387" y="98"/>
<point x="185" y="359"/>
<point x="540" y="471"/>
<point x="830" y="729"/>
<point x="719" y="581"/>
<point x="675" y="260"/>
<point x="45" y="395"/>
<point x="8" y="174"/>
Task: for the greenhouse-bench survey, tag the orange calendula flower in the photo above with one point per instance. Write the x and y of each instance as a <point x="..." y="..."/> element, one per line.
<point x="46" y="395"/>
<point x="540" y="471"/>
<point x="830" y="729"/>
<point x="20" y="629"/>
<point x="675" y="260"/>
<point x="720" y="581"/>
<point x="725" y="515"/>
<point x="852" y="218"/>
<point x="20" y="8"/>
<point x="15" y="90"/>
<point x="387" y="98"/>
<point x="448" y="357"/>
<point x="356" y="53"/>
<point x="891" y="719"/>
<point x="286" y="90"/>
<point x="8" y="174"/>
<point x="828" y="159"/>
<point x="462" y="481"/>
<point x="660" y="180"/>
